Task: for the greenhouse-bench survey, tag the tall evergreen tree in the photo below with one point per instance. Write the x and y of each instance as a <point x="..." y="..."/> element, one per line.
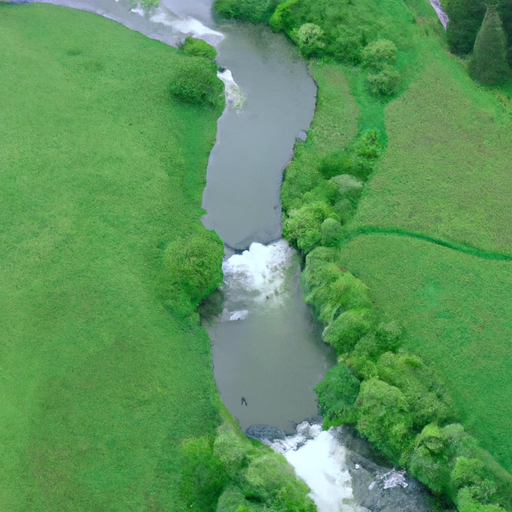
<point x="488" y="64"/>
<point x="465" y="19"/>
<point x="505" y="12"/>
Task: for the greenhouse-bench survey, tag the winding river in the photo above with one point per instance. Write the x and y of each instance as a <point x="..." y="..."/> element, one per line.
<point x="266" y="345"/>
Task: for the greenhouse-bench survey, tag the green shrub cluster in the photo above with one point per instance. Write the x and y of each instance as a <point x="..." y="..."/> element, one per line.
<point x="193" y="268"/>
<point x="330" y="204"/>
<point x="393" y="398"/>
<point x="254" y="11"/>
<point x="194" y="80"/>
<point x="232" y="474"/>
<point x="339" y="30"/>
<point x="198" y="48"/>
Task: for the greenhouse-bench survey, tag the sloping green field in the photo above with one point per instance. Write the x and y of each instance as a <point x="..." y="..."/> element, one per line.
<point x="446" y="171"/>
<point x="456" y="312"/>
<point x="99" y="169"/>
<point x="445" y="178"/>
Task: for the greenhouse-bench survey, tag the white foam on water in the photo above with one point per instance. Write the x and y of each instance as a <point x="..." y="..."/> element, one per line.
<point x="186" y="26"/>
<point x="138" y="10"/>
<point x="235" y="99"/>
<point x="319" y="459"/>
<point x="443" y="17"/>
<point x="259" y="273"/>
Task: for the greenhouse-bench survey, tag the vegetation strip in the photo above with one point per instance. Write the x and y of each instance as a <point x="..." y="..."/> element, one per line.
<point x="460" y="247"/>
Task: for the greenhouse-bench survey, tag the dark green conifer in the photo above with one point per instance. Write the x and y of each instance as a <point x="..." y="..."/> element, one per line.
<point x="488" y="64"/>
<point x="465" y="19"/>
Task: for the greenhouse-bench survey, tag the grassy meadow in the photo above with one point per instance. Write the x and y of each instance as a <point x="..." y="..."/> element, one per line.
<point x="455" y="309"/>
<point x="100" y="169"/>
<point x="445" y="174"/>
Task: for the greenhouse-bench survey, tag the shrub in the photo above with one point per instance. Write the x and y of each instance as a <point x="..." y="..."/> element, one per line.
<point x="202" y="476"/>
<point x="466" y="502"/>
<point x="337" y="394"/>
<point x="331" y="231"/>
<point x="428" y="402"/>
<point x="270" y="479"/>
<point x="302" y="227"/>
<point x="383" y="417"/>
<point x="337" y="162"/>
<point x="198" y="48"/>
<point x="466" y="472"/>
<point x="276" y="20"/>
<point x="330" y="289"/>
<point x="379" y="54"/>
<point x="254" y="11"/>
<point x="429" y="469"/>
<point x="233" y="500"/>
<point x="348" y="187"/>
<point x="194" y="265"/>
<point x="347" y="48"/>
<point x="347" y="329"/>
<point x="384" y="83"/>
<point x="194" y="80"/>
<point x="433" y="438"/>
<point x="389" y="335"/>
<point x="231" y="450"/>
<point x="488" y="64"/>
<point x="368" y="146"/>
<point x="310" y="39"/>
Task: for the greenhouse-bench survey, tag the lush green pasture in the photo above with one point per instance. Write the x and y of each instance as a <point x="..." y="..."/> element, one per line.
<point x="100" y="169"/>
<point x="456" y="312"/>
<point x="446" y="169"/>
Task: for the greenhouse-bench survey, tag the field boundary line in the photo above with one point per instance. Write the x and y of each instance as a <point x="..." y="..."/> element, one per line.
<point x="456" y="246"/>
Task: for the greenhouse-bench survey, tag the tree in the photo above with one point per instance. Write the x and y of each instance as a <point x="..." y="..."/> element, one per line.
<point x="488" y="64"/>
<point x="465" y="19"/>
<point x="505" y="11"/>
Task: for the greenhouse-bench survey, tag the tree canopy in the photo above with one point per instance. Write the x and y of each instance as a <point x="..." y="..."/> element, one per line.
<point x="489" y="62"/>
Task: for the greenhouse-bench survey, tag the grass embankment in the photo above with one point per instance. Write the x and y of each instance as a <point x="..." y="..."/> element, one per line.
<point x="441" y="187"/>
<point x="99" y="170"/>
<point x="105" y="371"/>
<point x="445" y="174"/>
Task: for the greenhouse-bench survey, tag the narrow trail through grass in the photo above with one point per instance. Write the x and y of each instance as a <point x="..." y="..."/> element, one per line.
<point x="456" y="246"/>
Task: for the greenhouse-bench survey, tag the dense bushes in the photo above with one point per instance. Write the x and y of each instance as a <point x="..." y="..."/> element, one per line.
<point x="392" y="397"/>
<point x="331" y="203"/>
<point x="194" y="80"/>
<point x="231" y="474"/>
<point x="255" y="11"/>
<point x="339" y="30"/>
<point x="198" y="48"/>
<point x="193" y="266"/>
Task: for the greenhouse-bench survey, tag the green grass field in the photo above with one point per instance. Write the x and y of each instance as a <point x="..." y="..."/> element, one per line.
<point x="446" y="170"/>
<point x="100" y="169"/>
<point x="445" y="177"/>
<point x="456" y="312"/>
